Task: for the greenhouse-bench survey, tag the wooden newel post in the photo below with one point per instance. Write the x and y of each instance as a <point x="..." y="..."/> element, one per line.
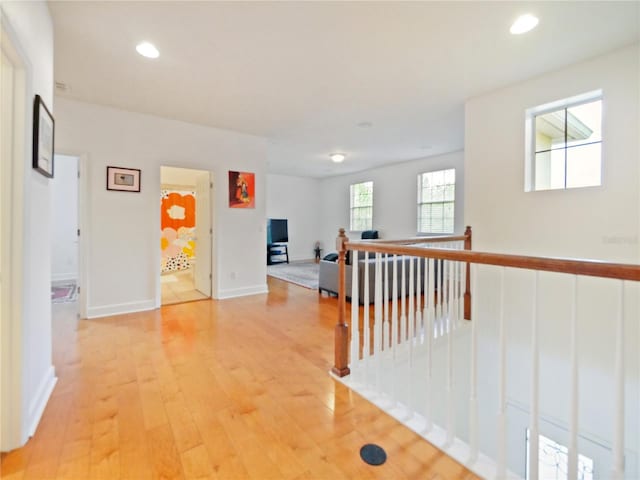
<point x="467" y="287"/>
<point x="341" y="359"/>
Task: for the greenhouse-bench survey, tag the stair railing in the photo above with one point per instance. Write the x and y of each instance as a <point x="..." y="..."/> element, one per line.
<point x="435" y="302"/>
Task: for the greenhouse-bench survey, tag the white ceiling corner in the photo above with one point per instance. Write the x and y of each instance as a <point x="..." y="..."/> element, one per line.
<point x="304" y="74"/>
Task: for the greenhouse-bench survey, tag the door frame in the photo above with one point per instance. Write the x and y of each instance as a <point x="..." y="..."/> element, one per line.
<point x="158" y="257"/>
<point x="84" y="225"/>
<point x="13" y="431"/>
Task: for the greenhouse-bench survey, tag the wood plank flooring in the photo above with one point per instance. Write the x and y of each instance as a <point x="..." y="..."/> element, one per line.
<point x="233" y="389"/>
<point x="179" y="287"/>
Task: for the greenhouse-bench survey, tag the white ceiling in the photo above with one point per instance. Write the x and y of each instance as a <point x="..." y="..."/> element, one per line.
<point x="305" y="74"/>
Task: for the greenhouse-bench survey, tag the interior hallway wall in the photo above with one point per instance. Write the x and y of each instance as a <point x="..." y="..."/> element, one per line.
<point x="594" y="222"/>
<point x="298" y="200"/>
<point x="33" y="28"/>
<point x="124" y="224"/>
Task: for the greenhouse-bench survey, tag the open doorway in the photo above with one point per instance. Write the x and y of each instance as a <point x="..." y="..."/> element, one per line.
<point x="185" y="235"/>
<point x="65" y="231"/>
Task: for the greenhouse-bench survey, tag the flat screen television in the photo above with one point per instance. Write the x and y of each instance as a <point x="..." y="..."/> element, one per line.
<point x="277" y="231"/>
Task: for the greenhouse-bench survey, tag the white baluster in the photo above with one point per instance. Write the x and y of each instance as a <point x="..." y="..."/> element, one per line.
<point x="411" y="321"/>
<point x="394" y="306"/>
<point x="394" y="325"/>
<point x="366" y="350"/>
<point x="411" y="318"/>
<point x="473" y="379"/>
<point x="425" y="302"/>
<point x="533" y="421"/>
<point x="355" y="312"/>
<point x="449" y="383"/>
<point x="572" y="454"/>
<point x="377" y="319"/>
<point x="456" y="294"/>
<point x="429" y="328"/>
<point x="403" y="301"/>
<point x="386" y="334"/>
<point x="418" y="297"/>
<point x="440" y="306"/>
<point x="502" y="385"/>
<point x="618" y="428"/>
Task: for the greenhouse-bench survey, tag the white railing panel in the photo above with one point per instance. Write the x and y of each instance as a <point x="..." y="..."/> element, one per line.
<point x="509" y="339"/>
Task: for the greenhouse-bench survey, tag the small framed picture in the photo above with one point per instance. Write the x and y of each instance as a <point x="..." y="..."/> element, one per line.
<point x="43" y="134"/>
<point x="123" y="179"/>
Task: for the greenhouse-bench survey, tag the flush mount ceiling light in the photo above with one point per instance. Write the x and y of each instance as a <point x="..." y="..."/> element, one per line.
<point x="523" y="24"/>
<point x="337" y="157"/>
<point x="148" y="50"/>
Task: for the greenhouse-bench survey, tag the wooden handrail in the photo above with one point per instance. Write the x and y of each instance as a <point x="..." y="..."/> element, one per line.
<point x="415" y="240"/>
<point x="592" y="268"/>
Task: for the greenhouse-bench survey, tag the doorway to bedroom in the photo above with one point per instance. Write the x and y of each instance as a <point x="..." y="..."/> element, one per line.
<point x="185" y="235"/>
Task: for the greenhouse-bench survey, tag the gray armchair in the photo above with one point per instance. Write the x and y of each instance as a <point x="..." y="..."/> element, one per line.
<point x="328" y="280"/>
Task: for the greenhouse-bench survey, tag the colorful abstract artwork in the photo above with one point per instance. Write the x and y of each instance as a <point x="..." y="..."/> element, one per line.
<point x="177" y="221"/>
<point x="242" y="190"/>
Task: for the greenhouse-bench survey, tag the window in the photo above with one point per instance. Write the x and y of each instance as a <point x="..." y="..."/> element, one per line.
<point x="566" y="144"/>
<point x="553" y="461"/>
<point x="436" y="201"/>
<point x="361" y="206"/>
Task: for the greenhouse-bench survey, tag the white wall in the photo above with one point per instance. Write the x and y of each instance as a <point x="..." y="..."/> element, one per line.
<point x="123" y="270"/>
<point x="298" y="200"/>
<point x="64" y="203"/>
<point x="598" y="222"/>
<point x="179" y="176"/>
<point x="395" y="193"/>
<point x="31" y="23"/>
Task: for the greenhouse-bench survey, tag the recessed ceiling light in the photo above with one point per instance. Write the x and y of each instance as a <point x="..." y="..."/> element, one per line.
<point x="148" y="50"/>
<point x="523" y="24"/>
<point x="337" y="157"/>
<point x="365" y="124"/>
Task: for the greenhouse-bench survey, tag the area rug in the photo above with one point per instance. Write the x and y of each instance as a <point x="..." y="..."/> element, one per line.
<point x="64" y="292"/>
<point x="303" y="274"/>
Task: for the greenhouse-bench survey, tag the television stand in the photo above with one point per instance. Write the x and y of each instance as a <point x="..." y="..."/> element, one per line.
<point x="277" y="250"/>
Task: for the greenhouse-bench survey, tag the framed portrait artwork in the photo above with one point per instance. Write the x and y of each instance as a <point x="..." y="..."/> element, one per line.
<point x="43" y="135"/>
<point x="123" y="179"/>
<point x="242" y="190"/>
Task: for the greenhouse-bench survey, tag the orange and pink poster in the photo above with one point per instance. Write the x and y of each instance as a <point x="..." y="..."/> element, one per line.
<point x="177" y="221"/>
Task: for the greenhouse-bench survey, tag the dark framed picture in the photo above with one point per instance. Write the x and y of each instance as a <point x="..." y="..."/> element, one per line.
<point x="43" y="134"/>
<point x="123" y="179"/>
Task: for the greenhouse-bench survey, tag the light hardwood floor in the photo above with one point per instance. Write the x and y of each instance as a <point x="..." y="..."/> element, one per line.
<point x="179" y="287"/>
<point x="229" y="389"/>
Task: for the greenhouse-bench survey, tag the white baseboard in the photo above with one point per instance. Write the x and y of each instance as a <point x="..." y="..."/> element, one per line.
<point x="39" y="402"/>
<point x="242" y="292"/>
<point x="121" y="308"/>
<point x="63" y="277"/>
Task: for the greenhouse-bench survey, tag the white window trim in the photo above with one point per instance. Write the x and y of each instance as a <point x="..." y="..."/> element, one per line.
<point x="351" y="206"/>
<point x="530" y="138"/>
<point x="419" y="203"/>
